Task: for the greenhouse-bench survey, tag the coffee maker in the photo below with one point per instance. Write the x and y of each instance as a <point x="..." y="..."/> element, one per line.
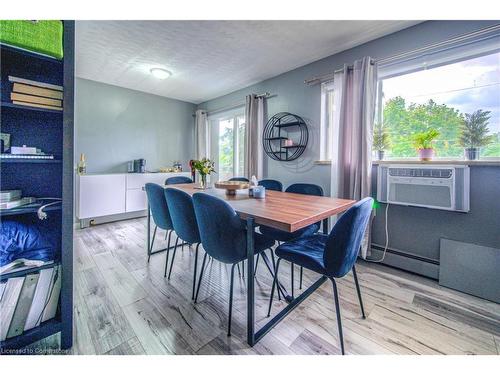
<point x="139" y="165"/>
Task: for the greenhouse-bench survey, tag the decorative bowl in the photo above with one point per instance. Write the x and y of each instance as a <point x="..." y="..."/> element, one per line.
<point x="231" y="186"/>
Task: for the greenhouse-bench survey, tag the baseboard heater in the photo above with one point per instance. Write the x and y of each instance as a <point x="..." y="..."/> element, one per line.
<point x="400" y="259"/>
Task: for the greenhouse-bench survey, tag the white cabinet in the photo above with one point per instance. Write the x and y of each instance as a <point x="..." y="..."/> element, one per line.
<point x="136" y="199"/>
<point x="100" y="195"/>
<point x="110" y="194"/>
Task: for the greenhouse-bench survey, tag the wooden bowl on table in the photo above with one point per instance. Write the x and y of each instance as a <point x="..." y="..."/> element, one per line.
<point x="232" y="186"/>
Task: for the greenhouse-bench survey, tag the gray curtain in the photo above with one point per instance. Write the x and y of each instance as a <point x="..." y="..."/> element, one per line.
<point x="255" y="117"/>
<point x="355" y="90"/>
<point x="202" y="135"/>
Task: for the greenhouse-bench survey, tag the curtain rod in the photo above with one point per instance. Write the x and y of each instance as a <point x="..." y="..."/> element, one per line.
<point x="400" y="56"/>
<point x="236" y="105"/>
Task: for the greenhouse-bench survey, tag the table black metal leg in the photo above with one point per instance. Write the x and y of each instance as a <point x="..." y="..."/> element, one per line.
<point x="250" y="282"/>
<point x="325" y="226"/>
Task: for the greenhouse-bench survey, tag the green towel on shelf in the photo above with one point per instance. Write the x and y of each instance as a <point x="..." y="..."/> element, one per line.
<point x="44" y="37"/>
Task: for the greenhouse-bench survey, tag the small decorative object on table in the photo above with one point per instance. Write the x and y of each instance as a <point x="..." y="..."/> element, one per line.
<point x="423" y="144"/>
<point x="259" y="192"/>
<point x="204" y="167"/>
<point x="232" y="186"/>
<point x="474" y="133"/>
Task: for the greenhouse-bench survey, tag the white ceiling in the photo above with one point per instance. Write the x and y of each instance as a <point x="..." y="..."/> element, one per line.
<point x="211" y="58"/>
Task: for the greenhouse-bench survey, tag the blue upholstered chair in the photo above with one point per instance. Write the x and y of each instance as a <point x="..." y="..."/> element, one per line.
<point x="181" y="209"/>
<point x="243" y="179"/>
<point x="223" y="235"/>
<point x="282" y="236"/>
<point x="332" y="256"/>
<point x="178" y="180"/>
<point x="159" y="212"/>
<point x="271" y="185"/>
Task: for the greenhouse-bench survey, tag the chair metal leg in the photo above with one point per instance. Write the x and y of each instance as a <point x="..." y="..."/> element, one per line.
<point x="201" y="276"/>
<point x="274" y="269"/>
<point x="173" y="258"/>
<point x="152" y="242"/>
<point x="230" y="301"/>
<point x="195" y="269"/>
<point x="337" y="309"/>
<point x="256" y="264"/>
<point x="292" y="266"/>
<point x="243" y="268"/>
<point x="238" y="265"/>
<point x="275" y="281"/>
<point x="301" y="272"/>
<point x="168" y="253"/>
<point x="359" y="292"/>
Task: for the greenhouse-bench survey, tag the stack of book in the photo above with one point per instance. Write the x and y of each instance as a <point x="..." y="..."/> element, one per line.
<point x="27" y="301"/>
<point x="12" y="199"/>
<point x="36" y="94"/>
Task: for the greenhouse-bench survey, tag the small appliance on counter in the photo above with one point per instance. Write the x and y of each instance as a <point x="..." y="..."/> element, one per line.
<point x="139" y="166"/>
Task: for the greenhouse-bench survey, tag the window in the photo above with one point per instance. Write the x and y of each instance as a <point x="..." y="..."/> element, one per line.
<point x="327" y="115"/>
<point x="441" y="97"/>
<point x="228" y="137"/>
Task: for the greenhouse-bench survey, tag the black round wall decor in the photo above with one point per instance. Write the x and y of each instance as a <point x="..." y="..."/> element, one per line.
<point x="285" y="136"/>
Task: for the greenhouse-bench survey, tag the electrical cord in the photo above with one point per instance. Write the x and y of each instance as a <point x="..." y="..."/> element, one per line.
<point x="42" y="215"/>
<point x="386" y="239"/>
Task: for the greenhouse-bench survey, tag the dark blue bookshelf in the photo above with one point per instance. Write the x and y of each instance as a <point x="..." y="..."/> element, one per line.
<point x="52" y="132"/>
<point x="36" y="161"/>
<point x="28" y="108"/>
<point x="29" y="209"/>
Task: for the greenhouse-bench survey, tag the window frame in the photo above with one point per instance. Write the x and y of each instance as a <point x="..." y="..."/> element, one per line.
<point x="214" y="122"/>
<point x="326" y="121"/>
<point x="441" y="59"/>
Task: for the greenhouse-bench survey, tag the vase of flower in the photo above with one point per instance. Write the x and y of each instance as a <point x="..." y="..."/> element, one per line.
<point x="204" y="167"/>
<point x="203" y="181"/>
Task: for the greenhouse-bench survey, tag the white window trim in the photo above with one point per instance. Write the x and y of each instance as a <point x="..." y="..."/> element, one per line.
<point x="326" y="141"/>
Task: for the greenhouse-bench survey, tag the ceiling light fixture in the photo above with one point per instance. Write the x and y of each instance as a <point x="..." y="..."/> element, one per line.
<point x="160" y="73"/>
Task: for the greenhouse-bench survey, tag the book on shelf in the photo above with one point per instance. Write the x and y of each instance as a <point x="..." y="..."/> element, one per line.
<point x="35" y="83"/>
<point x="37" y="91"/>
<point x="16" y="203"/>
<point x="8" y="303"/>
<point x="23" y="306"/>
<point x="52" y="302"/>
<point x="21" y="156"/>
<point x="40" y="298"/>
<point x="9" y="195"/>
<point x="35" y="99"/>
<point x="37" y="105"/>
<point x="22" y="264"/>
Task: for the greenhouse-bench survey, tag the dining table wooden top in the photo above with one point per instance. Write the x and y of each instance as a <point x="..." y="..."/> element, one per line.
<point x="280" y="210"/>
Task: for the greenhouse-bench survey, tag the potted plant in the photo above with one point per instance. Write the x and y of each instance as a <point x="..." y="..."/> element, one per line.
<point x="475" y="133"/>
<point x="204" y="167"/>
<point x="381" y="141"/>
<point x="423" y="143"/>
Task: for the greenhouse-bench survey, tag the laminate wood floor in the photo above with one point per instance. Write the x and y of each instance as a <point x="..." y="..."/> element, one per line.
<point x="123" y="305"/>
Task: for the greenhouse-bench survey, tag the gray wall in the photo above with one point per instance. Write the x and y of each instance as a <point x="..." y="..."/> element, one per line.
<point x="413" y="230"/>
<point x="114" y="125"/>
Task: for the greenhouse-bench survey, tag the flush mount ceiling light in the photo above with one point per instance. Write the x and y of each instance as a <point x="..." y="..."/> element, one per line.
<point x="160" y="73"/>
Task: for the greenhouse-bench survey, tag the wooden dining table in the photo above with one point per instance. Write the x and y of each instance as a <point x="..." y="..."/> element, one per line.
<point x="280" y="210"/>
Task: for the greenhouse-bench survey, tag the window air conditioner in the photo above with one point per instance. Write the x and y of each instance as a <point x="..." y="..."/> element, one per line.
<point x="442" y="187"/>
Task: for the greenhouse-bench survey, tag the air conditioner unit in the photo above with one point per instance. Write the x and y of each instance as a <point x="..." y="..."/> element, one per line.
<point x="442" y="187"/>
